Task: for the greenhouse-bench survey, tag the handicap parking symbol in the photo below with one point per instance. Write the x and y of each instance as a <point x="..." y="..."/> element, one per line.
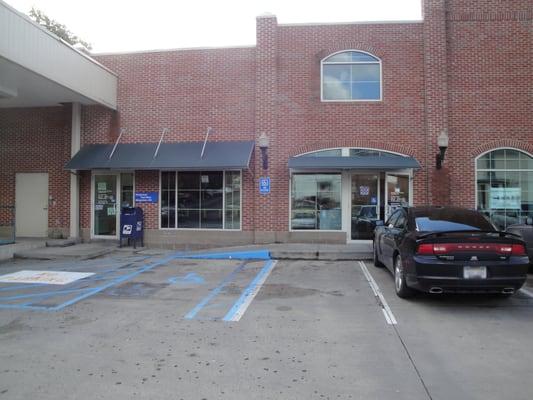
<point x="264" y="185"/>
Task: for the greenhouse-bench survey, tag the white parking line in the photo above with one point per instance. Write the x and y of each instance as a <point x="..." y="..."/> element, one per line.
<point x="241" y="305"/>
<point x="526" y="292"/>
<point x="389" y="316"/>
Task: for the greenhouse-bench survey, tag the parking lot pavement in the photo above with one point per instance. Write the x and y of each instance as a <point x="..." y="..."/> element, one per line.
<point x="466" y="346"/>
<point x="163" y="327"/>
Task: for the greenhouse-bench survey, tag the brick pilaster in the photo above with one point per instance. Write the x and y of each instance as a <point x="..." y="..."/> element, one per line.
<point x="436" y="91"/>
<point x="266" y="218"/>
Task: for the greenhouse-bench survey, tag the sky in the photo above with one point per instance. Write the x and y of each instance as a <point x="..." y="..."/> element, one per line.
<point x="133" y="25"/>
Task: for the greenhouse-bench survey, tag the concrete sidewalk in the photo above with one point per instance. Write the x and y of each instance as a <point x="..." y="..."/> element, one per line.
<point x="285" y="251"/>
<point x="299" y="251"/>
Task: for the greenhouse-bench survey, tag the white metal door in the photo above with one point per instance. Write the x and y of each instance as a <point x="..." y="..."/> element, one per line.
<point x="31" y="201"/>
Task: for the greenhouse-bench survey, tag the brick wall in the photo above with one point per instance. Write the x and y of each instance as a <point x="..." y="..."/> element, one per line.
<point x="304" y="123"/>
<point x="436" y="94"/>
<point x="185" y="91"/>
<point x="272" y="208"/>
<point x="37" y="140"/>
<point x="490" y="80"/>
<point x="466" y="69"/>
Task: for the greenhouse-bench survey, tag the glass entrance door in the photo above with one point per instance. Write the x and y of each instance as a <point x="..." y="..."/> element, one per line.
<point x="397" y="193"/>
<point x="364" y="205"/>
<point x="105" y="205"/>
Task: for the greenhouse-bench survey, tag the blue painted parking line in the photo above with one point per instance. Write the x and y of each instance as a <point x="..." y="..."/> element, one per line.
<point x="116" y="281"/>
<point x="240" y="306"/>
<point x="103" y="275"/>
<point x="40" y="294"/>
<point x="213" y="293"/>
<point x="190" y="278"/>
<point x="261" y="254"/>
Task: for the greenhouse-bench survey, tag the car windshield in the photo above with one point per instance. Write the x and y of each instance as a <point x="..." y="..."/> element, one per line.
<point x="452" y="220"/>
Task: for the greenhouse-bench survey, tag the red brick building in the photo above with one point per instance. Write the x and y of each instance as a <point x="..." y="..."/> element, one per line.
<point x="349" y="117"/>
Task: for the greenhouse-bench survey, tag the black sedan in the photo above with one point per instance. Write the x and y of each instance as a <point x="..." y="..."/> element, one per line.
<point x="449" y="249"/>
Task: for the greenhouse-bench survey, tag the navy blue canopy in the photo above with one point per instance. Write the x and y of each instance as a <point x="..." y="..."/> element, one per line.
<point x="182" y="155"/>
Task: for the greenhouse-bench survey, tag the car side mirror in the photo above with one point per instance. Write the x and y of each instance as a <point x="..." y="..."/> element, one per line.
<point x="379" y="223"/>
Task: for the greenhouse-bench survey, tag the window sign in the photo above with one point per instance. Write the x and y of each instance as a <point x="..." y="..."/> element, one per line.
<point x="264" y="185"/>
<point x="146" y="197"/>
<point x="505" y="198"/>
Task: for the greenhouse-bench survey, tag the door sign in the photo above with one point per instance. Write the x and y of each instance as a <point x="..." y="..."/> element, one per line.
<point x="146" y="197"/>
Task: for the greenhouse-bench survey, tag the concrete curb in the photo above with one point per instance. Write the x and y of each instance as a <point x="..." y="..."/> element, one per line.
<point x="39" y="254"/>
<point x="320" y="255"/>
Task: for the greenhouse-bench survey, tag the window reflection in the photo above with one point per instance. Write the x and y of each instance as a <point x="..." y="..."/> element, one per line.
<point x="200" y="200"/>
<point x="351" y="76"/>
<point x="316" y="201"/>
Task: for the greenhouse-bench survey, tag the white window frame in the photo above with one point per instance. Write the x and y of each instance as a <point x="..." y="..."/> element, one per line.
<point x="223" y="229"/>
<point x="476" y="169"/>
<point x="118" y="202"/>
<point x="323" y="61"/>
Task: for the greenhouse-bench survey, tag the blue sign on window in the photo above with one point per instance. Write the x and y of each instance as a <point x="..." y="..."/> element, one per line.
<point x="146" y="197"/>
<point x="264" y="185"/>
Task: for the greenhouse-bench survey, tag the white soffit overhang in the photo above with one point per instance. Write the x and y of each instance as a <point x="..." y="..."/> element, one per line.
<point x="39" y="69"/>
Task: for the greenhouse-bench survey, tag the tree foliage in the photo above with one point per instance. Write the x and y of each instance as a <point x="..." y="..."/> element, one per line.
<point x="56" y="28"/>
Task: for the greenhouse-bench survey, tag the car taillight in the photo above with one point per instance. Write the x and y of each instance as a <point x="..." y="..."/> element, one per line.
<point x="451" y="248"/>
<point x="425" y="249"/>
<point x="518" y="250"/>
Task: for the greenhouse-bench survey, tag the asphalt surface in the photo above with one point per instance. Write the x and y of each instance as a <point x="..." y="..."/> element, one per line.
<point x="314" y="330"/>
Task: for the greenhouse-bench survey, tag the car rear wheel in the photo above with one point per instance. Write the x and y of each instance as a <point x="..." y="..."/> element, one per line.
<point x="400" y="285"/>
<point x="377" y="263"/>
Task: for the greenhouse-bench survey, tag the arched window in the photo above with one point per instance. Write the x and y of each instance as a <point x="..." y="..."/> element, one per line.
<point x="504" y="180"/>
<point x="351" y="76"/>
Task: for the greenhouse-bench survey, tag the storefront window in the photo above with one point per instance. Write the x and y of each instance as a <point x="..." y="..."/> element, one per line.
<point x="168" y="199"/>
<point x="232" y="192"/>
<point x="505" y="186"/>
<point x="200" y="200"/>
<point x="126" y="191"/>
<point x="316" y="202"/>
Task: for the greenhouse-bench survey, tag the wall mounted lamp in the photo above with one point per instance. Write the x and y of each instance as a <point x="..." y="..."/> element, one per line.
<point x="263" y="143"/>
<point x="442" y="142"/>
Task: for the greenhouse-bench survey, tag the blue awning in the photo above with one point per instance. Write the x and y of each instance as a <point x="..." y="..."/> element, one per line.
<point x="182" y="155"/>
<point x="377" y="162"/>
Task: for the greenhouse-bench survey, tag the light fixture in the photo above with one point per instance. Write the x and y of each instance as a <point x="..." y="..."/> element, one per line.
<point x="263" y="143"/>
<point x="442" y="142"/>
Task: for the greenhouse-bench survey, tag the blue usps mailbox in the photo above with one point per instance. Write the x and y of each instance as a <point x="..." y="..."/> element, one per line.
<point x="132" y="225"/>
<point x="264" y="185"/>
